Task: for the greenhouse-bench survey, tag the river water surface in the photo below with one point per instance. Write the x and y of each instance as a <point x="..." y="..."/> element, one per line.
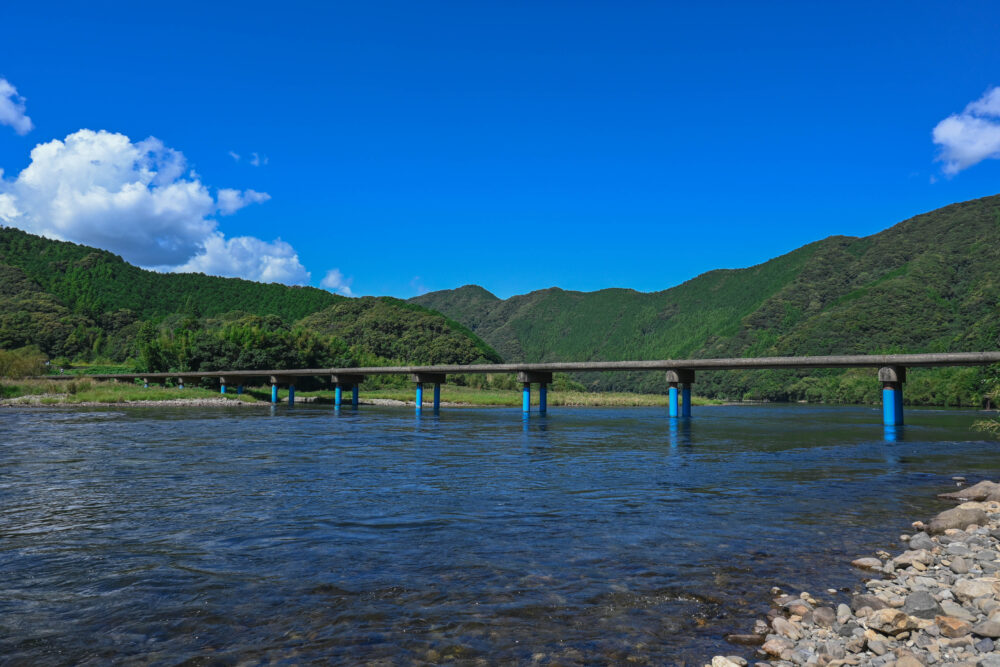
<point x="251" y="535"/>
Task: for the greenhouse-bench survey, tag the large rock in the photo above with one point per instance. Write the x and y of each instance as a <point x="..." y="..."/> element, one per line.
<point x="970" y="589"/>
<point x="984" y="490"/>
<point x="922" y="605"/>
<point x="890" y="621"/>
<point x="775" y="646"/>
<point x="867" y="563"/>
<point x="957" y="518"/>
<point x="866" y="600"/>
<point x="958" y="611"/>
<point x="989" y="629"/>
<point x="953" y="627"/>
<point x="922" y="541"/>
<point x="908" y="558"/>
<point x="824" y="617"/>
<point x="786" y="628"/>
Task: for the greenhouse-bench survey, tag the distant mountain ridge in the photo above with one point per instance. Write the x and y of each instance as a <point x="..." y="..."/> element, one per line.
<point x="925" y="284"/>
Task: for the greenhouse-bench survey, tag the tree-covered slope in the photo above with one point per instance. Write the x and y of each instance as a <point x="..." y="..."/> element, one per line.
<point x="926" y="284"/>
<point x="81" y="303"/>
<point x="91" y="281"/>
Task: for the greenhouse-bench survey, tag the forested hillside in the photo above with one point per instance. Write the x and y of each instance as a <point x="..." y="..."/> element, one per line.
<point x="926" y="284"/>
<point x="79" y="303"/>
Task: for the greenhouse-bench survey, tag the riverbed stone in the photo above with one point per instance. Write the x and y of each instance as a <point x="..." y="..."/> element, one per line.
<point x="844" y="613"/>
<point x="969" y="589"/>
<point x="824" y="617"/>
<point x="922" y="541"/>
<point x="913" y="557"/>
<point x="867" y="563"/>
<point x="984" y="490"/>
<point x="786" y="628"/>
<point x="952" y="627"/>
<point x="775" y="646"/>
<point x="890" y="621"/>
<point x="958" y="549"/>
<point x="909" y="660"/>
<point x="958" y="611"/>
<point x="922" y="605"/>
<point x="866" y="600"/>
<point x="989" y="629"/>
<point x="956" y="518"/>
<point x="959" y="565"/>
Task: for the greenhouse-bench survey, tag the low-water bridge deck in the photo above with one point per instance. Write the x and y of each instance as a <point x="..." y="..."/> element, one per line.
<point x="679" y="375"/>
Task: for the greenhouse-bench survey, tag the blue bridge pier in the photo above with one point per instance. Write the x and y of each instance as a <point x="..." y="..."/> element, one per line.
<point x="680" y="379"/>
<point x="436" y="379"/>
<point x="279" y="380"/>
<point x="342" y="381"/>
<point x="892" y="379"/>
<point x="543" y="379"/>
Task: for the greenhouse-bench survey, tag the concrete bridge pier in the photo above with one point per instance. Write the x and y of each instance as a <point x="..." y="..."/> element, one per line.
<point x="892" y="379"/>
<point x="437" y="379"/>
<point x="680" y="379"/>
<point x="543" y="379"/>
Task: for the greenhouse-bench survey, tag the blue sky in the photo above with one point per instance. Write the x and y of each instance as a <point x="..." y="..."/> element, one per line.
<point x="516" y="145"/>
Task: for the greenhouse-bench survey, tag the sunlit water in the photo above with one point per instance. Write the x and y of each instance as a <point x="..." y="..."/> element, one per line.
<point x="225" y="535"/>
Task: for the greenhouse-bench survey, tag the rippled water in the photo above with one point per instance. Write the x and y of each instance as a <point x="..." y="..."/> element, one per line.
<point x="592" y="535"/>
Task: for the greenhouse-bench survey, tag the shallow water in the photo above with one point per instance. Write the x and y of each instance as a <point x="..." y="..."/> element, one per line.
<point x="158" y="535"/>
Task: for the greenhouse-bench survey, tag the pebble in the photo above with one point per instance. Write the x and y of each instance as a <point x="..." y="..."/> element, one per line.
<point x="935" y="603"/>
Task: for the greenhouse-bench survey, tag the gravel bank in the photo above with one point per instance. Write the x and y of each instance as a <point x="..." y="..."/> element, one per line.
<point x="937" y="603"/>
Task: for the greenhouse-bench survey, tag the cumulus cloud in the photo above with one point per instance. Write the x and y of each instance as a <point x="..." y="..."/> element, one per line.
<point x="231" y="201"/>
<point x="12" y="109"/>
<point x="140" y="200"/>
<point x="335" y="282"/>
<point x="972" y="136"/>
<point x="248" y="257"/>
<point x="234" y="155"/>
<point x="258" y="160"/>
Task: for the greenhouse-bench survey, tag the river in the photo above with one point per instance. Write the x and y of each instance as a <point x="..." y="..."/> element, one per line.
<point x="592" y="535"/>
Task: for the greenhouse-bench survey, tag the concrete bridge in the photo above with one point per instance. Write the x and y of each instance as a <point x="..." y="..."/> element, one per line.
<point x="679" y="375"/>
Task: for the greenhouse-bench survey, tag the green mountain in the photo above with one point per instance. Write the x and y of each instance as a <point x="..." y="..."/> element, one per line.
<point x="81" y="303"/>
<point x="930" y="283"/>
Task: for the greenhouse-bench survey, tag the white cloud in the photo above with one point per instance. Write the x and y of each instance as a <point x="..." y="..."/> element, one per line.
<point x="234" y="155"/>
<point x="972" y="136"/>
<point x="140" y="200"/>
<point x="335" y="282"/>
<point x="231" y="201"/>
<point x="257" y="160"/>
<point x="250" y="258"/>
<point x="12" y="109"/>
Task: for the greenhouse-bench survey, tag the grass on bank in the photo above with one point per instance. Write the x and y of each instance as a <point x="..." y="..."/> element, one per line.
<point x="50" y="392"/>
<point x="507" y="397"/>
<point x="53" y="392"/>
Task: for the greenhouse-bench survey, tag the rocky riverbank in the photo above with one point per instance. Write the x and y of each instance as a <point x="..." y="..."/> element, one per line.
<point x="936" y="603"/>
